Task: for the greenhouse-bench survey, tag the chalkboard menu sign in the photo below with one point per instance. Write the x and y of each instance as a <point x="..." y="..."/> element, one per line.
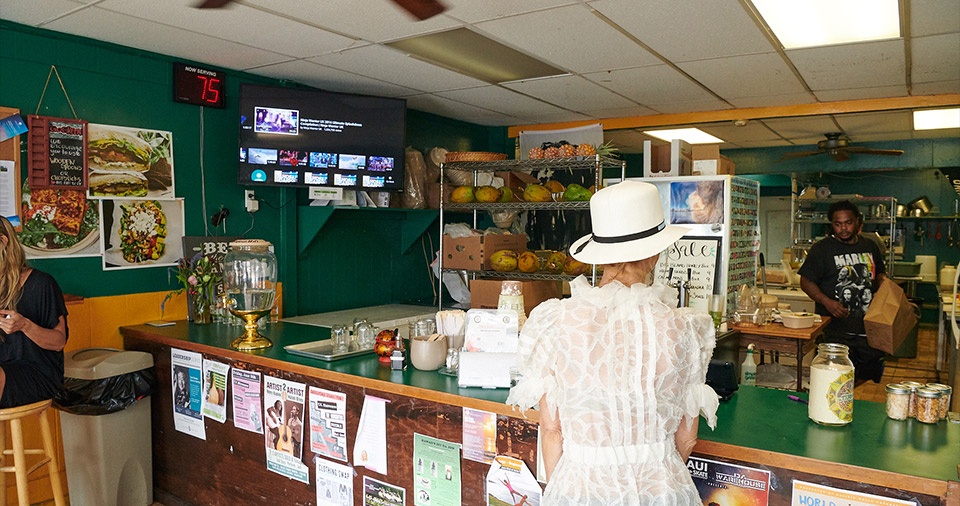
<point x="57" y="153"/>
<point x="695" y="260"/>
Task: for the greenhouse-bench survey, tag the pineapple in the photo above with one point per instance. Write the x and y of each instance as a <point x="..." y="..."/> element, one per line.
<point x="567" y="149"/>
<point x="607" y="150"/>
<point x="535" y="153"/>
<point x="551" y="152"/>
<point x="586" y="150"/>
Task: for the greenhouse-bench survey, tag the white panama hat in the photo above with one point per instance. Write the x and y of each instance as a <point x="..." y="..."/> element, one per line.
<point x="628" y="225"/>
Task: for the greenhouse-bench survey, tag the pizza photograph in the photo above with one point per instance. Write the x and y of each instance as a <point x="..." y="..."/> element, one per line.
<point x="141" y="233"/>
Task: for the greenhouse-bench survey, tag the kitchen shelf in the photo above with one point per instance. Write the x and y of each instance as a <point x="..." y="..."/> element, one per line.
<point x="515" y="275"/>
<point x="520" y="206"/>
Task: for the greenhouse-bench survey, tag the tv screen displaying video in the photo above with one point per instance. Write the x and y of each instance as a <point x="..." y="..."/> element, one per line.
<point x="297" y="137"/>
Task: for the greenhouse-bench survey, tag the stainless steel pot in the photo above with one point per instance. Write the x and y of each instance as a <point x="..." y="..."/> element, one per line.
<point x="901" y="210"/>
<point x="921" y="203"/>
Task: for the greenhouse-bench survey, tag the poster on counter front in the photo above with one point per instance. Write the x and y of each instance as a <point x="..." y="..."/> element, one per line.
<point x="328" y="423"/>
<point x="185" y="371"/>
<point x="509" y="481"/>
<point x="283" y="418"/>
<point x="724" y="483"/>
<point x="215" y="390"/>
<point x="334" y="483"/>
<point x="479" y="435"/>
<point x="436" y="472"/>
<point x="811" y="493"/>
<point x="370" y="447"/>
<point x="247" y="413"/>
<point x="378" y="493"/>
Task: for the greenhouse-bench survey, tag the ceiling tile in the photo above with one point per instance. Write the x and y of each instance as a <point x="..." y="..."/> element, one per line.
<point x="861" y="93"/>
<point x="496" y="98"/>
<point x="471" y="11"/>
<point x="570" y="92"/>
<point x="134" y="32"/>
<point x="653" y="86"/>
<point x="458" y="110"/>
<point x="863" y="65"/>
<point x="688" y="30"/>
<point x="395" y="67"/>
<point x="936" y="88"/>
<point x="773" y="100"/>
<point x="936" y="58"/>
<point x="623" y="112"/>
<point x="744" y="76"/>
<point x="752" y="131"/>
<point x="932" y="17"/>
<point x="330" y="79"/>
<point x="875" y="123"/>
<point x="592" y="46"/>
<point x="805" y="129"/>
<point x="236" y="23"/>
<point x="34" y="13"/>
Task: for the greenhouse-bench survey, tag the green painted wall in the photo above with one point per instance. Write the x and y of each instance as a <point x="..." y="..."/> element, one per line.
<point x="117" y="85"/>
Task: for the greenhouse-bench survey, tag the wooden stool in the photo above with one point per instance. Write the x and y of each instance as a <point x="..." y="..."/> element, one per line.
<point x="19" y="467"/>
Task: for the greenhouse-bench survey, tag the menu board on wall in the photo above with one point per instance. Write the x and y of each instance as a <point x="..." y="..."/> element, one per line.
<point x="693" y="259"/>
<point x="57" y="152"/>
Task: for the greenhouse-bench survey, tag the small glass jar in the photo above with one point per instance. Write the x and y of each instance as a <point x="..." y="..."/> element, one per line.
<point x="898" y="401"/>
<point x="831" y="385"/>
<point x="913" y="386"/>
<point x="946" y="395"/>
<point x="928" y="405"/>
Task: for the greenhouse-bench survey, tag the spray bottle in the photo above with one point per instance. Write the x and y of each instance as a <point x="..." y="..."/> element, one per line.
<point x="748" y="369"/>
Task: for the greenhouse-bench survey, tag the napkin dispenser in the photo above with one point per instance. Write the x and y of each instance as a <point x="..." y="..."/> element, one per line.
<point x="490" y="347"/>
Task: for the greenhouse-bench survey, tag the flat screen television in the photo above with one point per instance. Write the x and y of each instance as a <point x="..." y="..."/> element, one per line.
<point x="302" y="138"/>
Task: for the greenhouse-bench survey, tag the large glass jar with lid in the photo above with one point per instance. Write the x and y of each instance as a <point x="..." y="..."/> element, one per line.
<point x="250" y="284"/>
<point x="831" y="385"/>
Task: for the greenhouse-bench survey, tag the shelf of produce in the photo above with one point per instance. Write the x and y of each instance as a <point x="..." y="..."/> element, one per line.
<point x="519" y="206"/>
<point x="515" y="275"/>
<point x="563" y="163"/>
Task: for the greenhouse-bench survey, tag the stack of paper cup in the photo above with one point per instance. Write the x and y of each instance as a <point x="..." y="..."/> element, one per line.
<point x="928" y="267"/>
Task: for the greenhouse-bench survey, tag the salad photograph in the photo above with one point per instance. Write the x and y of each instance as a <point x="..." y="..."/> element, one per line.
<point x="58" y="223"/>
<point x="141" y="233"/>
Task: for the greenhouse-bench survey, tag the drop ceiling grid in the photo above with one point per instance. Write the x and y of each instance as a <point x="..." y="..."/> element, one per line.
<point x="654" y="86"/>
<point x="937" y="58"/>
<point x="863" y="65"/>
<point x="570" y="92"/>
<point x="331" y="79"/>
<point x="503" y="100"/>
<point x="744" y="76"/>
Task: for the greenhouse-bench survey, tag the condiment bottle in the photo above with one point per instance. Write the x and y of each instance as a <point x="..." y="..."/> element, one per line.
<point x="748" y="369"/>
<point x="928" y="405"/>
<point x="511" y="299"/>
<point x="898" y="401"/>
<point x="831" y="385"/>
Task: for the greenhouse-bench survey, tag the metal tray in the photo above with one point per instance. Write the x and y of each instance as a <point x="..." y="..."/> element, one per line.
<point x="322" y="350"/>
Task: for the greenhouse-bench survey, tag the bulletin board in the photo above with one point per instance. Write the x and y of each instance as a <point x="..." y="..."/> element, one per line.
<point x="10" y="193"/>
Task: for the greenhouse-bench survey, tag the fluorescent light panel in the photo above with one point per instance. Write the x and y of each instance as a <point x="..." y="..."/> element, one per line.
<point x="824" y="22"/>
<point x="467" y="52"/>
<point x="934" y="119"/>
<point x="691" y="135"/>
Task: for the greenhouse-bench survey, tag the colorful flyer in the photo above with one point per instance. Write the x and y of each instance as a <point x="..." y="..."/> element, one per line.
<point x="247" y="410"/>
<point x="436" y="472"/>
<point x="370" y="447"/>
<point x="215" y="390"/>
<point x="723" y="483"/>
<point x="334" y="483"/>
<point x="283" y="417"/>
<point x="328" y="423"/>
<point x="185" y="369"/>
<point x="509" y="481"/>
<point x="479" y="435"/>
<point x="812" y="493"/>
<point x="378" y="493"/>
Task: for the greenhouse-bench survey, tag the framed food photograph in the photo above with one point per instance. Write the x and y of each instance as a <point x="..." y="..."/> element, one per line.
<point x="129" y="162"/>
<point x="58" y="223"/>
<point x="141" y="233"/>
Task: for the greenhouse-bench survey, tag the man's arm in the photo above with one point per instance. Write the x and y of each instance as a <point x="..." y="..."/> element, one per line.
<point x="833" y="306"/>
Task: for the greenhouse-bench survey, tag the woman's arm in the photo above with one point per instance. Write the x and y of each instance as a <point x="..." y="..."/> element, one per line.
<point x="49" y="339"/>
<point x="551" y="438"/>
<point x="686" y="436"/>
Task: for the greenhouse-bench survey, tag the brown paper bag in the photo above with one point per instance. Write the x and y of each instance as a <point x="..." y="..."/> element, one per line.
<point x="890" y="318"/>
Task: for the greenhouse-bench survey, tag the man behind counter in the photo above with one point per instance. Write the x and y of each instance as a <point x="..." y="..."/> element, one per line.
<point x="841" y="273"/>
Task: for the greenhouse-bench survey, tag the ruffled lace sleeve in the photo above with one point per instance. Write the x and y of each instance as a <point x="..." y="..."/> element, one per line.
<point x="699" y="399"/>
<point x="536" y="358"/>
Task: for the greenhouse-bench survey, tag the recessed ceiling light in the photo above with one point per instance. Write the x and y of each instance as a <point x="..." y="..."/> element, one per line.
<point x="823" y="22"/>
<point x="467" y="52"/>
<point x="933" y="119"/>
<point x="691" y="135"/>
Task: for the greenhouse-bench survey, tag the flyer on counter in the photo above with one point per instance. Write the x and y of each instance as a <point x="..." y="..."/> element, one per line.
<point x="334" y="483"/>
<point x="283" y="417"/>
<point x="436" y="472"/>
<point x="185" y="367"/>
<point x="378" y="493"/>
<point x="724" y="483"/>
<point x="247" y="409"/>
<point x="215" y="390"/>
<point x="479" y="435"/>
<point x="328" y="423"/>
<point x="370" y="447"/>
<point x="812" y="493"/>
<point x="509" y="481"/>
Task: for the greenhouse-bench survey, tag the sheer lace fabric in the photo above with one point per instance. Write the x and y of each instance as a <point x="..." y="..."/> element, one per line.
<point x="620" y="367"/>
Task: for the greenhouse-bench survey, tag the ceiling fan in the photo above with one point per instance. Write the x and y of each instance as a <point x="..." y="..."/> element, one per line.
<point x="420" y="9"/>
<point x="838" y="146"/>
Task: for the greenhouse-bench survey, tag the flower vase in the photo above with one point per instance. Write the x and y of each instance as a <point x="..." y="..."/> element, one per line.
<point x="201" y="309"/>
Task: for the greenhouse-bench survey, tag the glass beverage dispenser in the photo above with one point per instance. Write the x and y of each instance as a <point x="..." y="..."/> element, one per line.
<point x="250" y="283"/>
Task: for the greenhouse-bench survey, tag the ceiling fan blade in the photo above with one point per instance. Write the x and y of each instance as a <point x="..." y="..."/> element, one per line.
<point x="421" y="9"/>
<point x="799" y="154"/>
<point x="212" y="4"/>
<point x="868" y="151"/>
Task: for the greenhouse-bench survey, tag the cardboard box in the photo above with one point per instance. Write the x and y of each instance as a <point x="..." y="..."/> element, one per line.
<point x="485" y="293"/>
<point x="473" y="253"/>
<point x="433" y="194"/>
<point x="516" y="181"/>
<point x="707" y="161"/>
<point x="668" y="160"/>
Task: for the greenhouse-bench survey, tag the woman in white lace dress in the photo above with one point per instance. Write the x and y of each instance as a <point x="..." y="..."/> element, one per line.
<point x="617" y="370"/>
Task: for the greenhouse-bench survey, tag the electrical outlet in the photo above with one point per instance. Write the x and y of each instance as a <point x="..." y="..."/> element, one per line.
<point x="250" y="201"/>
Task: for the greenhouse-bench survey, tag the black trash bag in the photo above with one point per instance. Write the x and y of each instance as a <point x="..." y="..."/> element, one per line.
<point x="106" y="395"/>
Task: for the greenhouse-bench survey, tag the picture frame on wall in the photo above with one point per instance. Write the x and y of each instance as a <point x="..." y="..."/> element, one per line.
<point x="140" y="233"/>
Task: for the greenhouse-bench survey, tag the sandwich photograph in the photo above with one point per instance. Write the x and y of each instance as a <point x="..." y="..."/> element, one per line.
<point x="128" y="162"/>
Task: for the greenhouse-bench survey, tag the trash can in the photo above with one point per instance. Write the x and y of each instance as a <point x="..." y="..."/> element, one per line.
<point x="105" y="421"/>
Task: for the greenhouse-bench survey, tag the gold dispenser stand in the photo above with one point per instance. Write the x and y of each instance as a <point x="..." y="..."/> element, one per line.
<point x="251" y="339"/>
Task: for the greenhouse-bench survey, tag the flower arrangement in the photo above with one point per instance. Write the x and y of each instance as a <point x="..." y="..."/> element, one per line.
<point x="198" y="277"/>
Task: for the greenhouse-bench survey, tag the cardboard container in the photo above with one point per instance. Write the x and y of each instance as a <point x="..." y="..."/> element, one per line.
<point x="707" y="161"/>
<point x="516" y="181"/>
<point x="675" y="159"/>
<point x="433" y="194"/>
<point x="485" y="293"/>
<point x="473" y="253"/>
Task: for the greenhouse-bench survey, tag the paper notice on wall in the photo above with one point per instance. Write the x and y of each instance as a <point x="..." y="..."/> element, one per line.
<point x="215" y="390"/>
<point x="812" y="493"/>
<point x="185" y="371"/>
<point x="328" y="423"/>
<point x="283" y="417"/>
<point x="510" y="481"/>
<point x="436" y="472"/>
<point x="725" y="483"/>
<point x="370" y="447"/>
<point x="378" y="493"/>
<point x="479" y="435"/>
<point x="334" y="483"/>
<point x="247" y="409"/>
<point x="692" y="260"/>
<point x="8" y="192"/>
